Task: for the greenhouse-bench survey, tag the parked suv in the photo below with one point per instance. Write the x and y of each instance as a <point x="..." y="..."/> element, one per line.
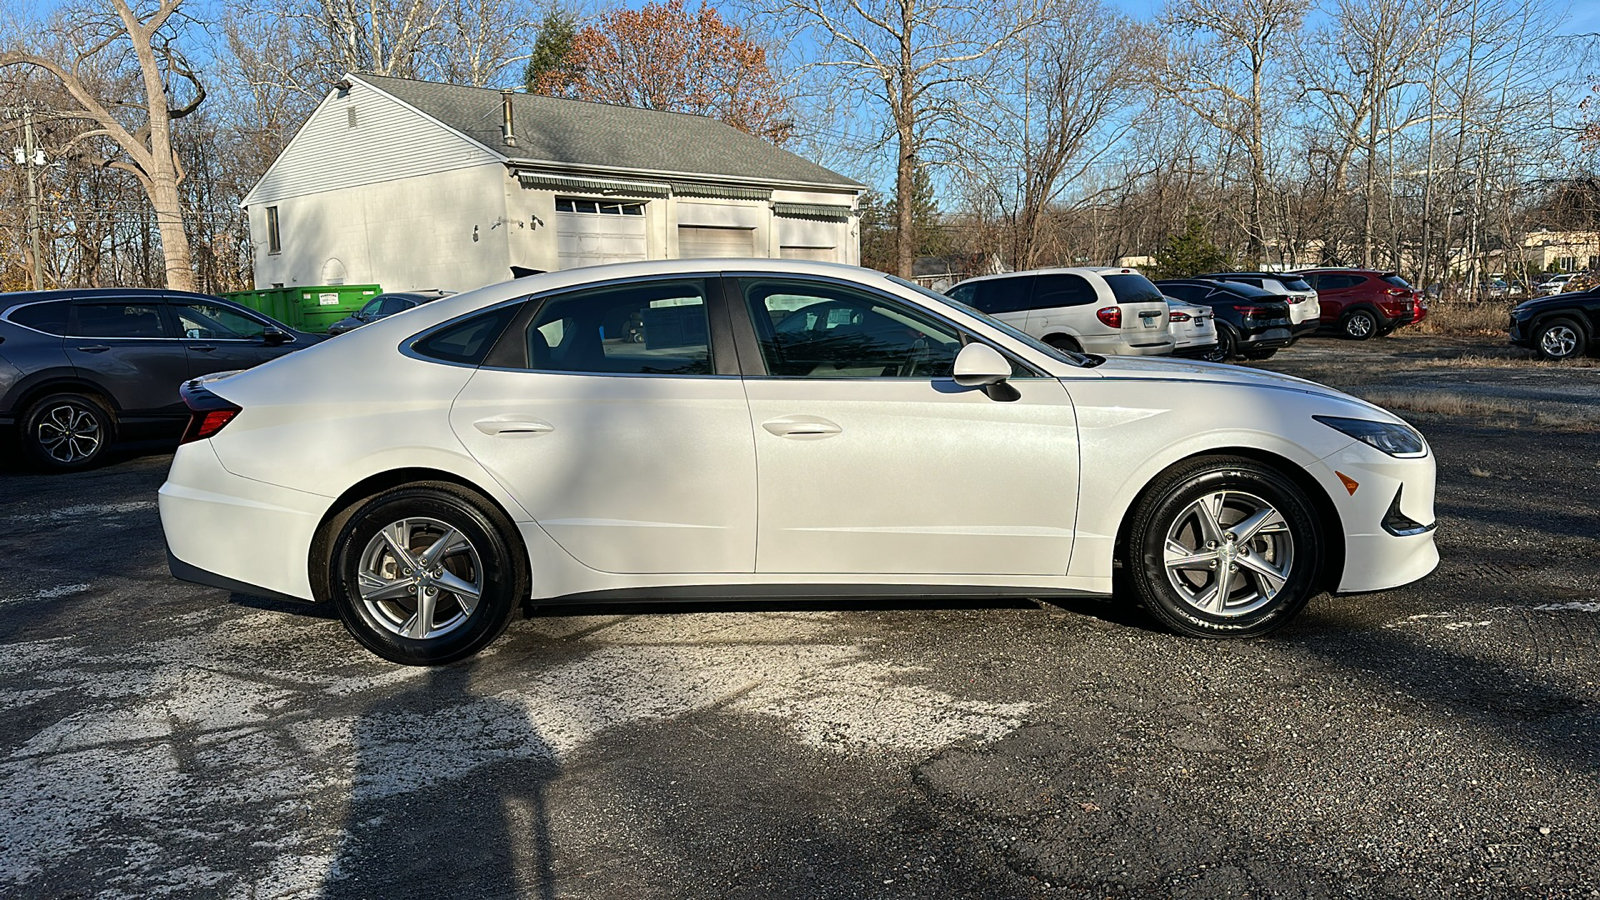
<point x="382" y="307"/>
<point x="1559" y="327"/>
<point x="1112" y="312"/>
<point x="81" y="369"/>
<point x="1555" y="284"/>
<point x="1250" y="321"/>
<point x="1305" y="315"/>
<point x="1364" y="303"/>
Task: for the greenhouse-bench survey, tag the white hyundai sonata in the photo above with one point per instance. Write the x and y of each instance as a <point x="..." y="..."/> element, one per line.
<point x="766" y="428"/>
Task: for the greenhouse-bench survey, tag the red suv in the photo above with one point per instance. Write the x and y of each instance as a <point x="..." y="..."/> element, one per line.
<point x="1361" y="303"/>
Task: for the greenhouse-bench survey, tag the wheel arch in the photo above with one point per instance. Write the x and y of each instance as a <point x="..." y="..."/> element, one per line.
<point x="1332" y="568"/>
<point x="30" y="390"/>
<point x="1575" y="316"/>
<point x="340" y="510"/>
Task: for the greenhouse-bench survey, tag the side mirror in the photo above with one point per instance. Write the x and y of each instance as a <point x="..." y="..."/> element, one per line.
<point x="272" y="337"/>
<point x="980" y="365"/>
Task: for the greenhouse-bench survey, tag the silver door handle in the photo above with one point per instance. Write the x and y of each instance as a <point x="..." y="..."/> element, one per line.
<point x="513" y="426"/>
<point x="801" y="427"/>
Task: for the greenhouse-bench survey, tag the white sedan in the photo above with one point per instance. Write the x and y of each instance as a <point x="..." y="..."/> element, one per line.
<point x="766" y="428"/>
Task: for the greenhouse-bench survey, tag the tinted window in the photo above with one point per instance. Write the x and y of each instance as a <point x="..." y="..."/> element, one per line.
<point x="1063" y="290"/>
<point x="999" y="295"/>
<point x="1295" y="284"/>
<point x="1338" y="282"/>
<point x="812" y="330"/>
<point x="1182" y="291"/>
<point x="657" y="328"/>
<point x="1133" y="288"/>
<point x="392" y="305"/>
<point x="1399" y="282"/>
<point x="50" y="318"/>
<point x="469" y="340"/>
<point x="119" y="320"/>
<point x="208" y="321"/>
<point x="370" y="311"/>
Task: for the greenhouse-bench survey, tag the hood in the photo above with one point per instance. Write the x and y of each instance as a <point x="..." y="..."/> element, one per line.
<point x="1163" y="368"/>
<point x="1538" y="303"/>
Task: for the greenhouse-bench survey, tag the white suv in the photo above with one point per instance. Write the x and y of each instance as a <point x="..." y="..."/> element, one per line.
<point x="1111" y="312"/>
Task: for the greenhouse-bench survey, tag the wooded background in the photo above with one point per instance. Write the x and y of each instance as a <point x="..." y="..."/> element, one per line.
<point x="1417" y="135"/>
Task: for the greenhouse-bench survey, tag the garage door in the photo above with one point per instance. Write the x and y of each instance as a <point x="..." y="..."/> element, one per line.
<point x="590" y="233"/>
<point x="815" y="254"/>
<point x="701" y="241"/>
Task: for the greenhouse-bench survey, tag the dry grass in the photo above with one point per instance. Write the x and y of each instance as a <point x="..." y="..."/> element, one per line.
<point x="1466" y="317"/>
<point x="1510" y="358"/>
<point x="1499" y="413"/>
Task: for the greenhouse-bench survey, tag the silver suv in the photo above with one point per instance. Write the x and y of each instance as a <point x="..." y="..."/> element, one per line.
<point x="1112" y="312"/>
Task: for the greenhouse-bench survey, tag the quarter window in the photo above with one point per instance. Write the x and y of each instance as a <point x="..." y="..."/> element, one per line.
<point x="205" y="321"/>
<point x="50" y="318"/>
<point x="655" y="328"/>
<point x="813" y="330"/>
<point x="119" y="320"/>
<point x="467" y="341"/>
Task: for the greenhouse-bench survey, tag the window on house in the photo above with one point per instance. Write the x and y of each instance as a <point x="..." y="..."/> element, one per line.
<point x="598" y="207"/>
<point x="274" y="242"/>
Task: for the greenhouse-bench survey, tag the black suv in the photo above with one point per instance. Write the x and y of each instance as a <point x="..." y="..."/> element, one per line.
<point x="1558" y="327"/>
<point x="81" y="369"/>
<point x="1251" y="322"/>
<point x="382" y="307"/>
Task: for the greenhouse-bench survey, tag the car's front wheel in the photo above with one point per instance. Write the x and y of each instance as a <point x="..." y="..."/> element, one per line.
<point x="65" y="432"/>
<point x="426" y="574"/>
<point x="1223" y="547"/>
<point x="1559" y="339"/>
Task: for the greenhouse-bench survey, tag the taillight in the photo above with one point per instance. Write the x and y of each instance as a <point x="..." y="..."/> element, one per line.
<point x="1396" y="292"/>
<point x="208" y="413"/>
<point x="1248" y="311"/>
<point x="1111" y="315"/>
<point x="1180" y="317"/>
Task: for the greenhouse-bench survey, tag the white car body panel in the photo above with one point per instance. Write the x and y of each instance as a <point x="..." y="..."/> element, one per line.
<point x="1144" y="330"/>
<point x="1200" y="331"/>
<point x="1039" y="487"/>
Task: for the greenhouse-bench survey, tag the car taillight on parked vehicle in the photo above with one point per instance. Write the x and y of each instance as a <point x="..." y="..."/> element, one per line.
<point x="208" y="413"/>
<point x="1111" y="315"/>
<point x="1180" y="317"/>
<point x="1248" y="311"/>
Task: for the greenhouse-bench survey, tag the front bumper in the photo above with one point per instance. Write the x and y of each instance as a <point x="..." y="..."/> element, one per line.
<point x="1375" y="557"/>
<point x="227" y="531"/>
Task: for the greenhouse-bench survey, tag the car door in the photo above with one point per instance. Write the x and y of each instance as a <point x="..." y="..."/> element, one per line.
<point x="612" y="416"/>
<point x="1334" y="293"/>
<point x="1064" y="303"/>
<point x="127" y="346"/>
<point x="218" y="338"/>
<point x="870" y="459"/>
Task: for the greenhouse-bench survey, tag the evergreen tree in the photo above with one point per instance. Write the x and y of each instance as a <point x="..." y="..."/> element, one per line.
<point x="1191" y="252"/>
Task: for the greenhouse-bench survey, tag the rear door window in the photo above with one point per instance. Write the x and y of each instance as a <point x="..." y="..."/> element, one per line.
<point x="654" y="328"/>
<point x="1338" y="282"/>
<point x="49" y="317"/>
<point x="1065" y="289"/>
<point x="119" y="320"/>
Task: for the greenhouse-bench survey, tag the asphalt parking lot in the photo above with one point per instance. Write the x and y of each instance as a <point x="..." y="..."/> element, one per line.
<point x="161" y="738"/>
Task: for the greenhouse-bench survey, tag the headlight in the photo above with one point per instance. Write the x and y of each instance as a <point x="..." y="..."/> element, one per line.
<point x="1391" y="438"/>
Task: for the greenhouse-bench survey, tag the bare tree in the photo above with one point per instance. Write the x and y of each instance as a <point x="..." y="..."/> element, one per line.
<point x="1225" y="66"/>
<point x="919" y="60"/>
<point x="140" y="129"/>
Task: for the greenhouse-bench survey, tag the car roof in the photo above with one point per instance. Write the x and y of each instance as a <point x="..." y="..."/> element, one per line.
<point x="1058" y="270"/>
<point x="1277" y="276"/>
<point x="11" y="297"/>
<point x="1243" y="290"/>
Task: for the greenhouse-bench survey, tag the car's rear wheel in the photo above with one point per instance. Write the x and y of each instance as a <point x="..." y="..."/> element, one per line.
<point x="425" y="575"/>
<point x="1062" y="342"/>
<point x="1223" y="547"/>
<point x="67" y="431"/>
<point x="1225" y="347"/>
<point x="1360" y="324"/>
<point x="1559" y="339"/>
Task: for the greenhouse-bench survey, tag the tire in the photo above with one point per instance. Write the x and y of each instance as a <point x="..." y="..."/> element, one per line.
<point x="1264" y="353"/>
<point x="67" y="432"/>
<point x="1559" y="339"/>
<point x="1170" y="549"/>
<point x="1359" y="325"/>
<point x="373" y="587"/>
<point x="1062" y="342"/>
<point x="1224" y="349"/>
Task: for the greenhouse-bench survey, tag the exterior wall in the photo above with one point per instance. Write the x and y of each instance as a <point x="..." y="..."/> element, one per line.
<point x="444" y="230"/>
<point x="389" y="142"/>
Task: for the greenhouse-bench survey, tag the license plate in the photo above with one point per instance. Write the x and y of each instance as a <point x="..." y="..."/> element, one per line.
<point x="1149" y="319"/>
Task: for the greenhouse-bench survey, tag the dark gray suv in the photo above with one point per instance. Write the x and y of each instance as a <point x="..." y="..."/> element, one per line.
<point x="82" y="369"/>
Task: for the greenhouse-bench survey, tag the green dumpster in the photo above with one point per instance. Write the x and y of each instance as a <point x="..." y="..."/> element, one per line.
<point x="308" y="307"/>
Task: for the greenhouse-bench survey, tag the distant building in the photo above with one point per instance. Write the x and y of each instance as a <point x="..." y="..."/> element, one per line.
<point x="411" y="184"/>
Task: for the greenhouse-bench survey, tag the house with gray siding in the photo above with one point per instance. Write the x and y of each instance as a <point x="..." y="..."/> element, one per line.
<point x="414" y="185"/>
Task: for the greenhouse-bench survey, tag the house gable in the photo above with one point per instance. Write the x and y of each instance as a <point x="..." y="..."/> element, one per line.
<point x="388" y="140"/>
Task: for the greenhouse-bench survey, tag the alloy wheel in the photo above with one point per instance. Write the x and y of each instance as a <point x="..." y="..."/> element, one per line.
<point x="420" y="578"/>
<point x="1559" y="341"/>
<point x="69" y="434"/>
<point x="1360" y="325"/>
<point x="1228" y="553"/>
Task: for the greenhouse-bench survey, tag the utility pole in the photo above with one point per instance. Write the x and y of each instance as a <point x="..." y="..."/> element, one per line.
<point x="30" y="157"/>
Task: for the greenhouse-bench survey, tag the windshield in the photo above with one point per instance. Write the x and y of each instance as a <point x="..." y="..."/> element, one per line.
<point x="1066" y="356"/>
<point x="1133" y="288"/>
